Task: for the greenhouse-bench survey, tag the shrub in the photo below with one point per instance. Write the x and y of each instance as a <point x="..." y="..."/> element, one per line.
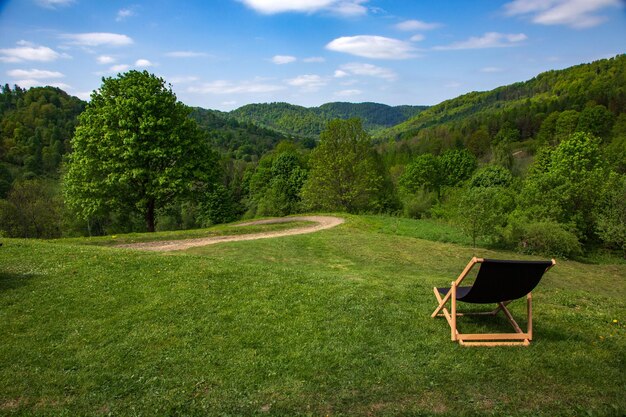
<point x="483" y="212"/>
<point x="492" y="176"/>
<point x="548" y="238"/>
<point x="417" y="206"/>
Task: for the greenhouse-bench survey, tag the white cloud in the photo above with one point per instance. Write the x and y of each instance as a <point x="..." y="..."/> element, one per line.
<point x="53" y="4"/>
<point x="314" y="59"/>
<point x="105" y="59"/>
<point x="119" y="68"/>
<point x="307" y="83"/>
<point x="26" y="51"/>
<point x="143" y="63"/>
<point x="578" y="14"/>
<point x="417" y="38"/>
<point x="123" y="14"/>
<point x="228" y="103"/>
<point x="283" y="59"/>
<point x="97" y="39"/>
<point x="375" y="47"/>
<point x="183" y="79"/>
<point x="348" y="93"/>
<point x="349" y="8"/>
<point x="34" y="74"/>
<point x="350" y="81"/>
<point x="341" y="7"/>
<point x="488" y="40"/>
<point x="356" y="68"/>
<point x="186" y="54"/>
<point x="491" y="69"/>
<point x="30" y="82"/>
<point x="453" y="84"/>
<point x="228" y="87"/>
<point x="83" y="95"/>
<point x="416" y="25"/>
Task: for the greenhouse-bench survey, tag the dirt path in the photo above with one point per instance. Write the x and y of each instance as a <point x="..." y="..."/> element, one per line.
<point x="322" y="222"/>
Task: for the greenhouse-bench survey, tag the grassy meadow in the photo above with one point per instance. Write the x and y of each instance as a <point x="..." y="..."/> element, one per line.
<point x="330" y="323"/>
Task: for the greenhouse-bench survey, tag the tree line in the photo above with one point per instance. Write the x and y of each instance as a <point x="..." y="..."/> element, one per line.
<point x="138" y="161"/>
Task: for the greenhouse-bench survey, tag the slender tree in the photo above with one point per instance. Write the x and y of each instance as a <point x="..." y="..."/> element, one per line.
<point x="343" y="172"/>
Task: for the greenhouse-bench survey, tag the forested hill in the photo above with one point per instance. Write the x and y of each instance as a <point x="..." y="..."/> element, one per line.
<point x="310" y="121"/>
<point x="240" y="139"/>
<point x="35" y="131"/>
<point x="525" y="104"/>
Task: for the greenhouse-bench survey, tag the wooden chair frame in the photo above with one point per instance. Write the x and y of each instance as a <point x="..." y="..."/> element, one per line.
<point x="519" y="338"/>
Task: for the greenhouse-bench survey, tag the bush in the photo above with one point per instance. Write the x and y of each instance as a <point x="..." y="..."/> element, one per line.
<point x="32" y="209"/>
<point x="483" y="212"/>
<point x="548" y="238"/>
<point x="417" y="206"/>
<point x="492" y="176"/>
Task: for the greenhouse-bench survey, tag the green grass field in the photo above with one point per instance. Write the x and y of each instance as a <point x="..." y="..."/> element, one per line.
<point x="331" y="323"/>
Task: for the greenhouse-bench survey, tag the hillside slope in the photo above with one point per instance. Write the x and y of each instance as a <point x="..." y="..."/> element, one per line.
<point x="526" y="104"/>
<point x="310" y="121"/>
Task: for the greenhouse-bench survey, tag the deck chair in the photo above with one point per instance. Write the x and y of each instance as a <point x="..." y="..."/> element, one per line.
<point x="497" y="281"/>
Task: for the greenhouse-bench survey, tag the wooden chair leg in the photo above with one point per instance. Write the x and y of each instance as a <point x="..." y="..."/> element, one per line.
<point x="442" y="302"/>
<point x="453" y="312"/>
<point x="529" y="312"/>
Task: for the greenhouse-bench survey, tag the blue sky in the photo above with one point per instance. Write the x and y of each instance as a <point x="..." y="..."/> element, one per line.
<point x="222" y="54"/>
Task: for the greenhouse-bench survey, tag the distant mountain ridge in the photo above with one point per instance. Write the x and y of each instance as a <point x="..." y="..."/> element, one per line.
<point x="296" y="120"/>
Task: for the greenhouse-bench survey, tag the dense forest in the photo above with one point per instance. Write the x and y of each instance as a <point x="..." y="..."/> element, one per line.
<point x="241" y="139"/>
<point x="538" y="166"/>
<point x="310" y="121"/>
<point x="530" y="114"/>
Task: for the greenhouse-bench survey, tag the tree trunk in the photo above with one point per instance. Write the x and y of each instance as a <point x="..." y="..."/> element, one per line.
<point x="150" y="215"/>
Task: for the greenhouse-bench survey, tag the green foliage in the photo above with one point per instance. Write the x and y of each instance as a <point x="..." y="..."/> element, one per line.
<point x="35" y="129"/>
<point x="217" y="207"/>
<point x="309" y="122"/>
<point x="596" y="120"/>
<point x="483" y="212"/>
<point x="434" y="172"/>
<point x="32" y="210"/>
<point x="517" y="112"/>
<point x="135" y="149"/>
<point x="6" y="179"/>
<point x="547" y="131"/>
<point x="492" y="176"/>
<point x="419" y="204"/>
<point x="237" y="139"/>
<point x="565" y="125"/>
<point x="611" y="216"/>
<point x="478" y="142"/>
<point x="344" y="174"/>
<point x="547" y="238"/>
<point x="565" y="184"/>
<point x="423" y="172"/>
<point x="502" y="155"/>
<point x="276" y="182"/>
<point x="616" y="149"/>
<point x="507" y="134"/>
<point x="456" y="166"/>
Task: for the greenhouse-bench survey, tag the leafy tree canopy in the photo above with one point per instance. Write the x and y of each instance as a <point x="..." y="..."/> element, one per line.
<point x="344" y="174"/>
<point x="135" y="149"/>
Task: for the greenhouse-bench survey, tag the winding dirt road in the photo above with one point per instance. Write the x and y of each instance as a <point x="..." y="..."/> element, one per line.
<point x="321" y="223"/>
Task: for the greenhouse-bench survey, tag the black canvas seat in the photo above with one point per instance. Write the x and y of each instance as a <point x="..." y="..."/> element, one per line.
<point x="497" y="281"/>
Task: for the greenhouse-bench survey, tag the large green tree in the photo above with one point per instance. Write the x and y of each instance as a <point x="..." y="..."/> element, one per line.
<point x="135" y="149"/>
<point x="565" y="184"/>
<point x="344" y="174"/>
